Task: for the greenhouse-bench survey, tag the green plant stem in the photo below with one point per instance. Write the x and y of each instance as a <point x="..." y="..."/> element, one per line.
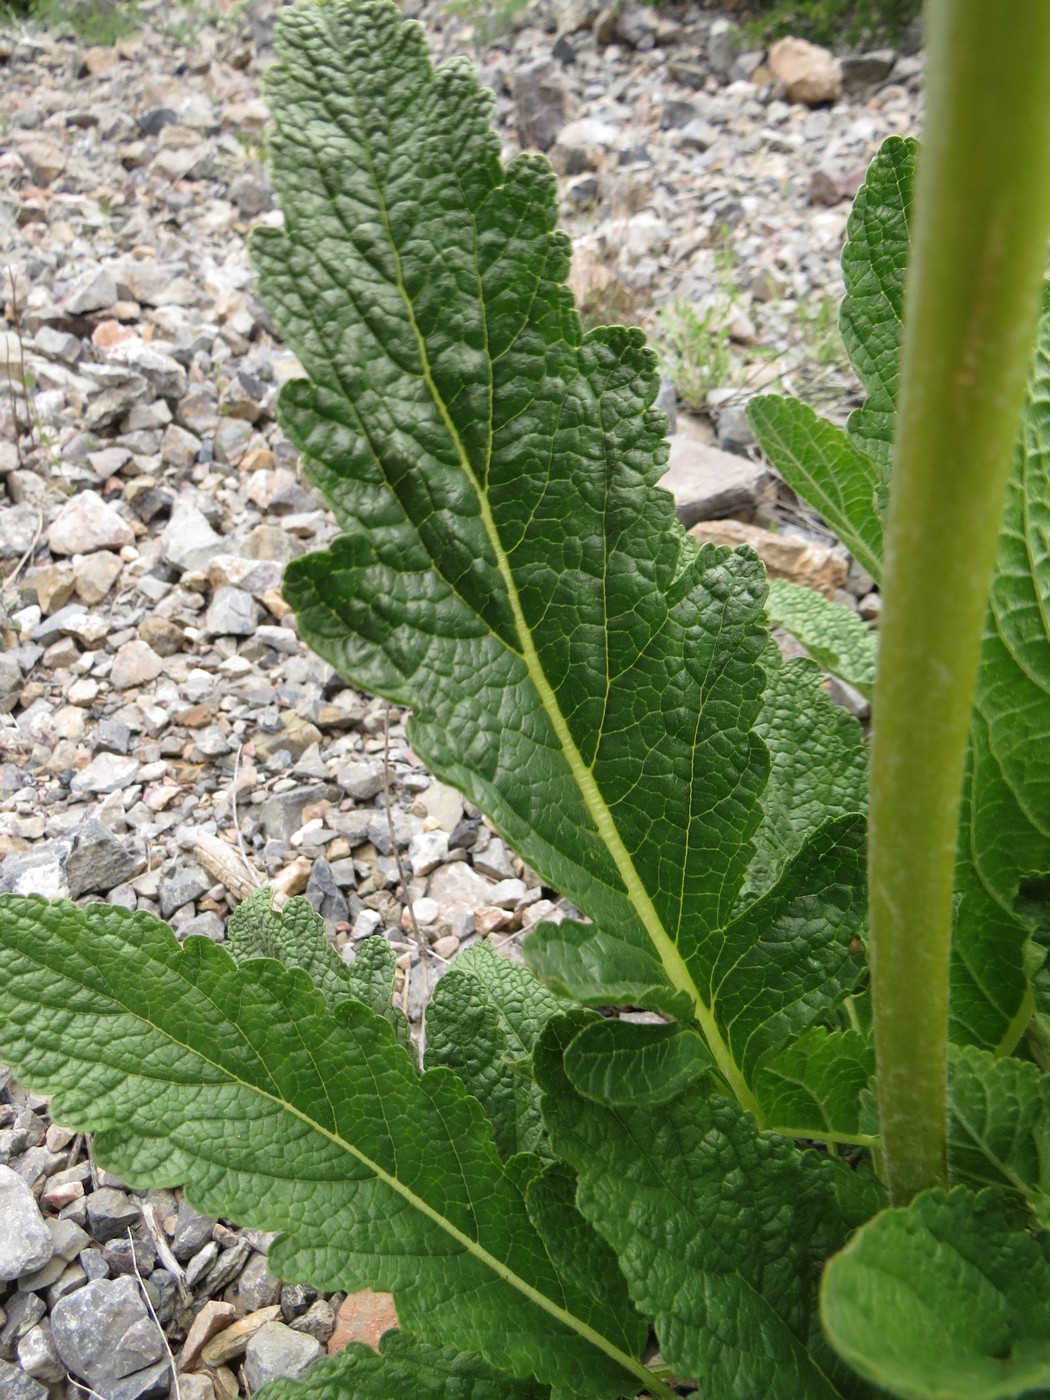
<point x="980" y="230"/>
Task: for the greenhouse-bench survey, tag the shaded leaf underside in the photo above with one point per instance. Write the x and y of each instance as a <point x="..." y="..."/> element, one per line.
<point x="239" y="1083"/>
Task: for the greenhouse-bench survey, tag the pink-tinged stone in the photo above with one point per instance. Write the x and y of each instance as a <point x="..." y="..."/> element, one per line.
<point x="86" y="524"/>
<point x="363" y="1317"/>
<point x="109" y="333"/>
<point x="136" y="663"/>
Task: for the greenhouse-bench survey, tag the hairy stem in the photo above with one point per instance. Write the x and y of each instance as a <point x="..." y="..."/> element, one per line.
<point x="979" y="243"/>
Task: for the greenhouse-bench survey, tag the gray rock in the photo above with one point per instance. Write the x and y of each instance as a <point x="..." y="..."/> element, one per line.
<point x="192" y="1232"/>
<point x="540" y="104"/>
<point x="24" y="1311"/>
<point x="10" y="682"/>
<point x="124" y="1256"/>
<point x="733" y="429"/>
<point x="317" y="1321"/>
<point x="136" y="663"/>
<point x="151" y="1383"/>
<point x="110" y="1212"/>
<point x="104" y="1332"/>
<point x="206" y="925"/>
<point x="275" y="1350"/>
<point x="25" y="1241"/>
<point x="186" y="885"/>
<point x="164" y="375"/>
<point x="18" y="527"/>
<point x="37" y="1355"/>
<point x="866" y="70"/>
<point x="295" y="1299"/>
<point x="708" y="484"/>
<point x="39" y="871"/>
<point x="69" y="1239"/>
<point x="324" y="893"/>
<point x="98" y="861"/>
<point x="188" y="541"/>
<point x="256" y="1287"/>
<point x="96" y="295"/>
<point x="16" y="1385"/>
<point x="232" y="613"/>
<point x="362" y="779"/>
<point x="724" y="42"/>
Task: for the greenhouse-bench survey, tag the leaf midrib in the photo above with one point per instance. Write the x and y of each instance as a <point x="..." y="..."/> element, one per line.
<point x="673" y="963"/>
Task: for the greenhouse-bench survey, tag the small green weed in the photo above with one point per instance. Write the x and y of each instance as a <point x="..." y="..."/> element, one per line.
<point x="492" y="19"/>
<point x="93" y="21"/>
<point x="694" y="348"/>
<point x="834" y="23"/>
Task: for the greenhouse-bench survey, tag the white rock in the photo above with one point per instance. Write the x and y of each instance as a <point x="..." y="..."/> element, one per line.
<point x="107" y="772"/>
<point x="86" y="523"/>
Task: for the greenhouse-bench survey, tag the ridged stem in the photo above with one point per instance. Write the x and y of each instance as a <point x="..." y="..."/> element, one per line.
<point x="979" y="234"/>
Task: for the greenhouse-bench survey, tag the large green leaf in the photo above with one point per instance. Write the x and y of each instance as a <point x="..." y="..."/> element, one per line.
<point x="844" y="475"/>
<point x="406" y="1367"/>
<point x="833" y="634"/>
<point x="1004" y="829"/>
<point x="820" y="462"/>
<point x="818" y="765"/>
<point x="483" y="1022"/>
<point x="720" y="1229"/>
<point x="871" y="318"/>
<point x="296" y="936"/>
<point x="508" y="567"/>
<point x="999" y="1128"/>
<point x="276" y="1113"/>
<point x="947" y="1299"/>
<point x="813" y="1087"/>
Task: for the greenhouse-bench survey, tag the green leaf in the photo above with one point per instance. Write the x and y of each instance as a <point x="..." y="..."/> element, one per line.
<point x="508" y="567"/>
<point x="579" y="1252"/>
<point x="296" y="937"/>
<point x="1004" y="830"/>
<point x="720" y="1229"/>
<point x="483" y="1021"/>
<point x="1005" y="826"/>
<point x="834" y="635"/>
<point x="999" y="1129"/>
<point x="619" y="1062"/>
<point x="844" y="475"/>
<point x="787" y="957"/>
<point x="276" y="1113"/>
<point x="947" y="1299"/>
<point x="371" y="981"/>
<point x="407" y="1367"/>
<point x="813" y="1087"/>
<point x="874" y="261"/>
<point x="819" y="765"/>
<point x="820" y="462"/>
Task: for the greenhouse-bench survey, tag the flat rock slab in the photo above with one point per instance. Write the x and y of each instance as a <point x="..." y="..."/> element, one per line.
<point x="709" y="484"/>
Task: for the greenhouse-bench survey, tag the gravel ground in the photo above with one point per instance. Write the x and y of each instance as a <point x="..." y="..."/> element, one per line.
<point x="166" y="741"/>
